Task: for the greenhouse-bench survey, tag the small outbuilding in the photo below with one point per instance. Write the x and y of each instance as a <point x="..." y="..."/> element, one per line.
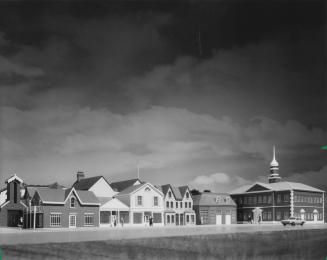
<point x="214" y="209"/>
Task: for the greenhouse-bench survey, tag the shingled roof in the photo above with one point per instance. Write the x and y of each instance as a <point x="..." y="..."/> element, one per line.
<point x="122" y="185"/>
<point x="59" y="196"/>
<point x="277" y="186"/>
<point x="86" y="183"/>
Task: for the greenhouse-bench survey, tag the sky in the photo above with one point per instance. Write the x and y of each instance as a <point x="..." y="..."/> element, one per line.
<point x="193" y="92"/>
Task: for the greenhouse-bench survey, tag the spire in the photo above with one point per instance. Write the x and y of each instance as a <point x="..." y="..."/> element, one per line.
<point x="274" y="176"/>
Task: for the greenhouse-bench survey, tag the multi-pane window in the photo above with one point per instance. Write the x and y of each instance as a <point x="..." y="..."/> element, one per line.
<point x="167" y="204"/>
<point x="204" y="216"/>
<point x="55" y="219"/>
<point x="269" y="199"/>
<point x="190" y="204"/>
<point x="172" y="219"/>
<point x="264" y="199"/>
<point x="88" y="219"/>
<point x="155" y="201"/>
<point x="187" y="218"/>
<point x="172" y="204"/>
<point x="181" y="204"/>
<point x="286" y="197"/>
<point x="168" y="219"/>
<point x="139" y="200"/>
<point x="169" y="194"/>
<point x="254" y="200"/>
<point x="72" y="202"/>
<point x="279" y="198"/>
<point x="269" y="215"/>
<point x="186" y="205"/>
<point x="176" y="205"/>
<point x="259" y="199"/>
<point x="192" y="218"/>
<point x="278" y="215"/>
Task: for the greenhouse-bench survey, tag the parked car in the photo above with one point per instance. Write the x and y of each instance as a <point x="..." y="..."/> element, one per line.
<point x="293" y="221"/>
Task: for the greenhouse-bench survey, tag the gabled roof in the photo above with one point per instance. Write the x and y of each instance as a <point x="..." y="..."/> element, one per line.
<point x="113" y="204"/>
<point x="183" y="190"/>
<point x="122" y="185"/>
<point x="177" y="193"/>
<point x="86" y="183"/>
<point x="60" y="196"/>
<point x="12" y="178"/>
<point x="132" y="189"/>
<point x="277" y="186"/>
<point x="210" y="199"/>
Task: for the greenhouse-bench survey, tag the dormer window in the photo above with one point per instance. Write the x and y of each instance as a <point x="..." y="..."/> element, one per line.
<point x="169" y="194"/>
<point x="72" y="202"/>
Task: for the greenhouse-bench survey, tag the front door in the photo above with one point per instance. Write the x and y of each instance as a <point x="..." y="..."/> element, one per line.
<point x="228" y="219"/>
<point x="72" y="221"/>
<point x="315" y="217"/>
<point x="218" y="220"/>
<point x="13" y="217"/>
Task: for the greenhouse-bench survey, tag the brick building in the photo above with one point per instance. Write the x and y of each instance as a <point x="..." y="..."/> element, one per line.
<point x="214" y="209"/>
<point x="277" y="200"/>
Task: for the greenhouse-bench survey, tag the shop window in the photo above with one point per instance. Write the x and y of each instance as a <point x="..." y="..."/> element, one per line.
<point x="269" y="215"/>
<point x="137" y="218"/>
<point x="157" y="218"/>
<point x="204" y="216"/>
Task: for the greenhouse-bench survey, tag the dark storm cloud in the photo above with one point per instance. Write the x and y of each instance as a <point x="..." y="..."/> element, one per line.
<point x="195" y="92"/>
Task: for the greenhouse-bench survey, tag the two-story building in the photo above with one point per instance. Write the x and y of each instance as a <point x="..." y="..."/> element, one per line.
<point x="14" y="205"/>
<point x="178" y="203"/>
<point x="277" y="200"/>
<point x="214" y="209"/>
<point x="112" y="210"/>
<point x="145" y="201"/>
<point x="56" y="207"/>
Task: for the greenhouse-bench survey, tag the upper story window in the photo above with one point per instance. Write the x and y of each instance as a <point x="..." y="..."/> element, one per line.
<point x="286" y="198"/>
<point x="176" y="205"/>
<point x="167" y="204"/>
<point x="172" y="204"/>
<point x="169" y="194"/>
<point x="139" y="200"/>
<point x="279" y="198"/>
<point x="190" y="204"/>
<point x="72" y="202"/>
<point x="181" y="203"/>
<point x="147" y="189"/>
<point x="187" y="195"/>
<point x="185" y="204"/>
<point x="155" y="201"/>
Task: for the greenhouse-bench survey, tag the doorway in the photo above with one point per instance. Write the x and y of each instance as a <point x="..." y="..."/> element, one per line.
<point x="218" y="220"/>
<point x="13" y="217"/>
<point x="72" y="221"/>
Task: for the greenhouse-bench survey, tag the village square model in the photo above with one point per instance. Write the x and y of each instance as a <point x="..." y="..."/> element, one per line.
<point x="94" y="202"/>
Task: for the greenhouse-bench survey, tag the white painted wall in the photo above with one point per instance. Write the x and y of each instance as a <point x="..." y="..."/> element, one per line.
<point x="147" y="199"/>
<point x="102" y="189"/>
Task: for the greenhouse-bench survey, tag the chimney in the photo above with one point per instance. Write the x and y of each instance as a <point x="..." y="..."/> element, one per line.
<point x="80" y="175"/>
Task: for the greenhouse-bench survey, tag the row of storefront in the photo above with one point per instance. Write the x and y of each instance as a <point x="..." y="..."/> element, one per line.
<point x="93" y="202"/>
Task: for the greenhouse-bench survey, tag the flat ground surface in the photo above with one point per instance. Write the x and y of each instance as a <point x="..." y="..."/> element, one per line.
<point x="293" y="243"/>
<point x="16" y="236"/>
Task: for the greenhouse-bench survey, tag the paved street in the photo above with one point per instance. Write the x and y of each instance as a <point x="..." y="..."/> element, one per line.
<point x="15" y="236"/>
